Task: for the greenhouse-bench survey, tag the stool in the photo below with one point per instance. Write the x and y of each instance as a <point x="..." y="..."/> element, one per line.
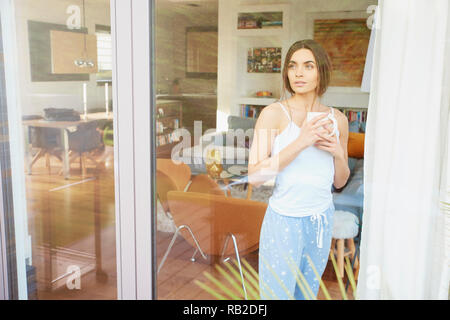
<point x="345" y="227"/>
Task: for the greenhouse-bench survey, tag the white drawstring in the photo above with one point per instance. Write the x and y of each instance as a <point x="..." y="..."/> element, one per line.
<point x="318" y="217"/>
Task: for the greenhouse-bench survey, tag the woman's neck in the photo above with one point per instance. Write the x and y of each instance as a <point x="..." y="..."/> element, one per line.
<point x="307" y="101"/>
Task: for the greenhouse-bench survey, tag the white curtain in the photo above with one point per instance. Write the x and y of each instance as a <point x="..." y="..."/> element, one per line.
<point x="405" y="236"/>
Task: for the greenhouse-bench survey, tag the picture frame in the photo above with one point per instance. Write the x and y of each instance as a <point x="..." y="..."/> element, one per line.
<point x="342" y="37"/>
<point x="264" y="60"/>
<point x="201" y="52"/>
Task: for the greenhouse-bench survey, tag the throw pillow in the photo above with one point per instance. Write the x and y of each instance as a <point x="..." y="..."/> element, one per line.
<point x="355" y="145"/>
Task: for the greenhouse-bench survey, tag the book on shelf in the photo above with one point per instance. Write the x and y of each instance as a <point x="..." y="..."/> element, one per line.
<point x="352" y="115"/>
<point x="251" y="111"/>
<point x="166" y="139"/>
<point x="356" y="118"/>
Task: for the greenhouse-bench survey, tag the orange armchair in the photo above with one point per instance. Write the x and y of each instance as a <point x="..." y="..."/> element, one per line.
<point x="179" y="173"/>
<point x="207" y="222"/>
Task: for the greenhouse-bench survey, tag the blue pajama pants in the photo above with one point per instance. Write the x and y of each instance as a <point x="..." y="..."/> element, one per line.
<point x="285" y="243"/>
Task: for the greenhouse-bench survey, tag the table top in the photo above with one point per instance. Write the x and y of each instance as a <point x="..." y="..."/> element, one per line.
<point x="55" y="124"/>
<point x="66" y="124"/>
<point x="227" y="153"/>
<point x="100" y="116"/>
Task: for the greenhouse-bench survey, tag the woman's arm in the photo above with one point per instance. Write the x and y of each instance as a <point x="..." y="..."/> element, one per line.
<point x="338" y="150"/>
<point x="262" y="166"/>
<point x="341" y="169"/>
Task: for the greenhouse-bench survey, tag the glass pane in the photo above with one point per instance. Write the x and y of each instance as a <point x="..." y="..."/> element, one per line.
<point x="64" y="98"/>
<point x="216" y="69"/>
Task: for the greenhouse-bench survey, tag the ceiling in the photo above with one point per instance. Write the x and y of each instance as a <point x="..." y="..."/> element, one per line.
<point x="187" y="7"/>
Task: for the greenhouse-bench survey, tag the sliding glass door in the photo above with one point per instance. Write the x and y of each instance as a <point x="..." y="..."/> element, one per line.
<point x="76" y="197"/>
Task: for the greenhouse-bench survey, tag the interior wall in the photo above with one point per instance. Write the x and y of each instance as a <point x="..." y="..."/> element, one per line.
<point x="35" y="96"/>
<point x="172" y="19"/>
<point x="298" y="13"/>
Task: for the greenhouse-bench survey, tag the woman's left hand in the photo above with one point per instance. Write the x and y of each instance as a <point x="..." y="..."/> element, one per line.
<point x="330" y="144"/>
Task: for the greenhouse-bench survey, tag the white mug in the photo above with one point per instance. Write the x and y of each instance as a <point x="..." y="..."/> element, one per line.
<point x="313" y="114"/>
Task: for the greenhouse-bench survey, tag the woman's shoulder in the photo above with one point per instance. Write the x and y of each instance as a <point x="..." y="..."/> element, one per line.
<point x="338" y="114"/>
<point x="270" y="116"/>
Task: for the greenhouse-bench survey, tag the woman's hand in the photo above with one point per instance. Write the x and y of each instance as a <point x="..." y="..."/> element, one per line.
<point x="312" y="131"/>
<point x="330" y="144"/>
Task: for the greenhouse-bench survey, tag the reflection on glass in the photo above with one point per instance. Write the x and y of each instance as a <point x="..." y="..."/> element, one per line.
<point x="67" y="123"/>
<point x="214" y="163"/>
<point x="213" y="87"/>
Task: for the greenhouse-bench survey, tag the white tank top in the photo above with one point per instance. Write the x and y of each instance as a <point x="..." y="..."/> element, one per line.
<point x="303" y="187"/>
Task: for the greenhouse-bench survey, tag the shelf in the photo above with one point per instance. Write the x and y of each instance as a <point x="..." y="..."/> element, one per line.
<point x="168" y="117"/>
<point x="165" y="132"/>
<point x="270" y="32"/>
<point x="257" y="101"/>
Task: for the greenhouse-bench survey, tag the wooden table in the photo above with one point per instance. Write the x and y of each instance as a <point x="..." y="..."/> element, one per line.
<point x="226" y="181"/>
<point x="230" y="156"/>
<point x="64" y="127"/>
<point x="100" y="116"/>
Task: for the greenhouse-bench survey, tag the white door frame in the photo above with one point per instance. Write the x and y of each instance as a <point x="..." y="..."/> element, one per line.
<point x="131" y="22"/>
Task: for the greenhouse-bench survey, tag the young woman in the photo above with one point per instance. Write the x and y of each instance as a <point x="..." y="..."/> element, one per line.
<point x="307" y="154"/>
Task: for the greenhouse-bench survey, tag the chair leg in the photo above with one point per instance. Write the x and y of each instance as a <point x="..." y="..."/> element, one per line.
<point x="340" y="256"/>
<point x="236" y="251"/>
<point x="83" y="164"/>
<point x="351" y="246"/>
<point x="173" y="241"/>
<point x="333" y="247"/>
<point x="225" y="246"/>
<point x="354" y="265"/>
<point x="39" y="155"/>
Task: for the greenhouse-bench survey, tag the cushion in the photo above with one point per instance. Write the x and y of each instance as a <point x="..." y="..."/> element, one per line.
<point x="352" y="164"/>
<point x="363" y="126"/>
<point x="355" y="147"/>
<point x="345" y="225"/>
<point x="353" y="126"/>
<point x="244" y="123"/>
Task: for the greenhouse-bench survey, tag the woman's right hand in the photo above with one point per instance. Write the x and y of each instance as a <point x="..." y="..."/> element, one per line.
<point x="311" y="131"/>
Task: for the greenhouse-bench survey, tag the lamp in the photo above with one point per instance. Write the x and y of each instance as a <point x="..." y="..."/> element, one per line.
<point x="84" y="62"/>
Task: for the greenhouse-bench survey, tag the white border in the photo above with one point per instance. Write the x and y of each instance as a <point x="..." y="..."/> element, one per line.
<point x="130" y="25"/>
<point x="16" y="144"/>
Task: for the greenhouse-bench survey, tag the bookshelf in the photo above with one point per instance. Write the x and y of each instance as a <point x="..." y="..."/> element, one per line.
<point x="271" y="30"/>
<point x="355" y="115"/>
<point x="169" y="116"/>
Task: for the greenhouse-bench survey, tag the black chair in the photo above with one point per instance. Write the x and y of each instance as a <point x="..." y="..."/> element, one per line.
<point x="47" y="140"/>
<point x="83" y="142"/>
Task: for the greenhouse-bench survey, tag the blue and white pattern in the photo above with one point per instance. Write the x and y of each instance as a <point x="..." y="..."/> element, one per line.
<point x="285" y="243"/>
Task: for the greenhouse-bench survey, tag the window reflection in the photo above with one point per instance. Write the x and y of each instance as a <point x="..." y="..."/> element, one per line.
<point x="64" y="72"/>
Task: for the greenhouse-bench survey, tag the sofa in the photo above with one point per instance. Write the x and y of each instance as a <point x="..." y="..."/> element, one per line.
<point x="234" y="123"/>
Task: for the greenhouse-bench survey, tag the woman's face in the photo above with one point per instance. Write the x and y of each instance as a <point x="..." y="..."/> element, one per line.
<point x="303" y="72"/>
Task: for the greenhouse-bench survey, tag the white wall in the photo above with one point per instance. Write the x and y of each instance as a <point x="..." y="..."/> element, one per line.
<point x="229" y="84"/>
<point x="35" y="96"/>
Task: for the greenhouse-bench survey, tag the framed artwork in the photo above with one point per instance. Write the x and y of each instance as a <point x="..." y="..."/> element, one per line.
<point x="260" y="20"/>
<point x="264" y="60"/>
<point x="201" y="52"/>
<point x="40" y="44"/>
<point x="66" y="47"/>
<point x="345" y="36"/>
